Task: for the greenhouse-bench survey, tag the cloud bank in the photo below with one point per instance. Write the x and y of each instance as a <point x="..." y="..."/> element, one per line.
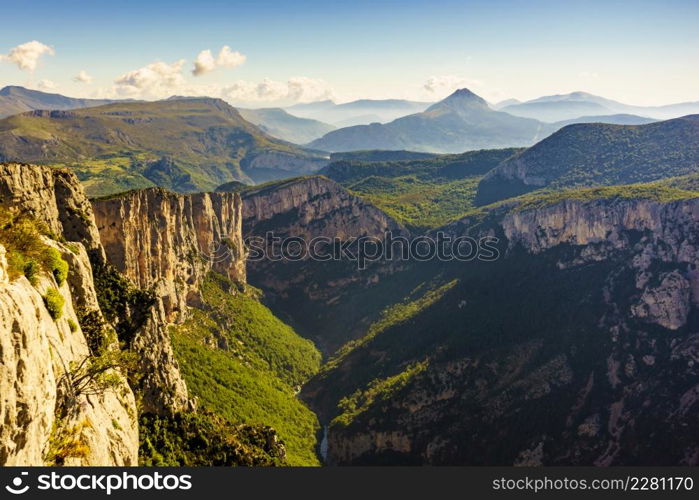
<point x="157" y="79"/>
<point x="296" y="89"/>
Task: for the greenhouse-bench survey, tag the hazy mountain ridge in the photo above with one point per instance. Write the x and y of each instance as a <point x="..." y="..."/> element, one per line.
<point x="461" y="122"/>
<point x="598" y="154"/>
<point x="569" y="106"/>
<point x="360" y="112"/>
<point x="278" y="123"/>
<point x="15" y="99"/>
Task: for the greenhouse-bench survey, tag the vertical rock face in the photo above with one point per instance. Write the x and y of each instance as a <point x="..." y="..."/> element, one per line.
<point x="315" y="293"/>
<point x="667" y="235"/>
<point x="162" y="389"/>
<point x="310" y="207"/>
<point x="169" y="241"/>
<point x="44" y="418"/>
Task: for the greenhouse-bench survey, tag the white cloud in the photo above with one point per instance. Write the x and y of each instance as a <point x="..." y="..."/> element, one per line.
<point x="46" y="85"/>
<point x="589" y="75"/>
<point x="82" y="77"/>
<point x="157" y="80"/>
<point x="229" y="59"/>
<point x="447" y="84"/>
<point x="26" y="56"/>
<point x="205" y="61"/>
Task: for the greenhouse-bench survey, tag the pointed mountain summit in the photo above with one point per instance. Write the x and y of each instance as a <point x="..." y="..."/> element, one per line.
<point x="462" y="121"/>
<point x="461" y="99"/>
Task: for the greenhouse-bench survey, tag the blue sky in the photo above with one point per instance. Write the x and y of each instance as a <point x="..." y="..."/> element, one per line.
<point x="638" y="52"/>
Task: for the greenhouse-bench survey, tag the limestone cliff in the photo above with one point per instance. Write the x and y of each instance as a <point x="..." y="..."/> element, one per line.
<point x="311" y="292"/>
<point x="51" y="411"/>
<point x="312" y="206"/>
<point x="656" y="233"/>
<point x="168" y="242"/>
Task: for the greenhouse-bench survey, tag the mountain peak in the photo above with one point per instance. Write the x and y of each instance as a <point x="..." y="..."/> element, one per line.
<point x="461" y="99"/>
<point x="579" y="94"/>
<point x="464" y="92"/>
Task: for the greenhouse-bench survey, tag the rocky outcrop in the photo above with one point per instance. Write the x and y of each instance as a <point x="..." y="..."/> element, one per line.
<point x="48" y="416"/>
<point x="42" y="420"/>
<point x="658" y="234"/>
<point x="56" y="198"/>
<point x="168" y="242"/>
<point x="162" y="388"/>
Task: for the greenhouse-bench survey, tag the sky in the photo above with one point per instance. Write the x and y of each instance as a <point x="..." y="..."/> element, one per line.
<point x="269" y="53"/>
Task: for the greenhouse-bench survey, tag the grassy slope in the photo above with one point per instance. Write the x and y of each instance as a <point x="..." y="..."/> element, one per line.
<point x="420" y="194"/>
<point x="246" y="365"/>
<point x="666" y="190"/>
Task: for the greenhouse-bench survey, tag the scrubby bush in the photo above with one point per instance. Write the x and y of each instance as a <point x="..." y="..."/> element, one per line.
<point x="54" y="303"/>
<point x="244" y="364"/>
<point x="123" y="304"/>
<point x="205" y="439"/>
<point x="57" y="266"/>
<point x="27" y="254"/>
<point x="31" y="271"/>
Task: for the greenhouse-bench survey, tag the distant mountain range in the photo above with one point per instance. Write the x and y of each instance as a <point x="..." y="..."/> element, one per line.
<point x="183" y="144"/>
<point x="361" y="112"/>
<point x="463" y="121"/>
<point x="188" y="144"/>
<point x="279" y="123"/>
<point x="14" y="99"/>
<point x="556" y="108"/>
<point x="596" y="154"/>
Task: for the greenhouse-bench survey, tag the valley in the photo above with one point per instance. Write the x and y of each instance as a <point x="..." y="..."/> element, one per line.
<point x="158" y="338"/>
